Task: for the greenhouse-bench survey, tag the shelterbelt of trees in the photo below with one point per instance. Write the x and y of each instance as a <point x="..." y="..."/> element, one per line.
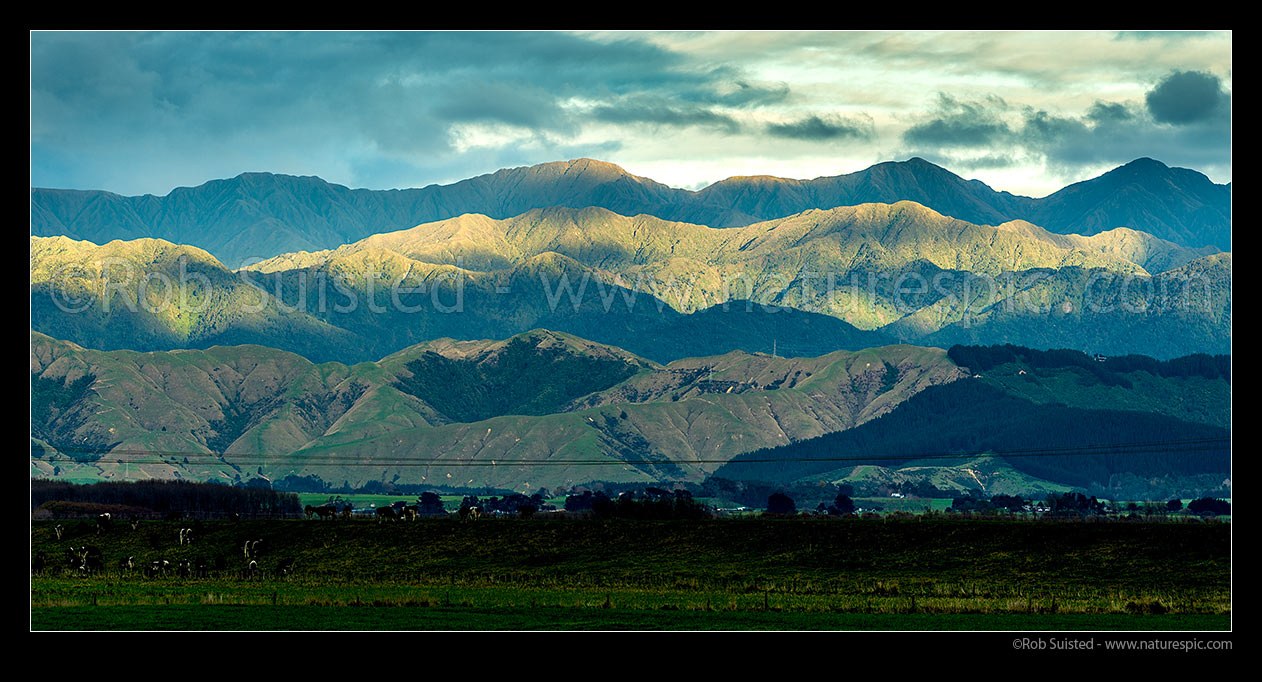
<point x="160" y="499"/>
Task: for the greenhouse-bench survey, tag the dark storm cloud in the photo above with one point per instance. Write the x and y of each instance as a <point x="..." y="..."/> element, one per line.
<point x="658" y="111"/>
<point x="1185" y="97"/>
<point x="963" y="162"/>
<point x="958" y="123"/>
<point x="738" y="93"/>
<point x="816" y="128"/>
<point x="113" y="103"/>
<point x="500" y="102"/>
<point x="1117" y="133"/>
<point x="1102" y="112"/>
<point x="989" y="133"/>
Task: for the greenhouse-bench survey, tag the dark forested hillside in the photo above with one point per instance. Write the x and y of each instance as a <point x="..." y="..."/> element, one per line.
<point x="1070" y="445"/>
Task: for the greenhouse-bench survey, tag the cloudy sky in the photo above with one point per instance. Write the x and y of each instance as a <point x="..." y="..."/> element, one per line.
<point x="145" y="112"/>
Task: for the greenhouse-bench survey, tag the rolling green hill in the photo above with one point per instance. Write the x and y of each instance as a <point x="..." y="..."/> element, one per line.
<point x="441" y="411"/>
<point x="1069" y="421"/>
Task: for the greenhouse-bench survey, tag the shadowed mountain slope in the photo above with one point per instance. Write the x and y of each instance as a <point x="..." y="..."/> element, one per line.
<point x="259" y="215"/>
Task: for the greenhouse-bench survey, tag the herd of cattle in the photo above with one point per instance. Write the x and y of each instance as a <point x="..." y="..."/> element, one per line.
<point x="89" y="559"/>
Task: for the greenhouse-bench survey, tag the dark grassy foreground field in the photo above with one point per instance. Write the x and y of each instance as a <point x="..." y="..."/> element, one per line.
<point x="804" y="574"/>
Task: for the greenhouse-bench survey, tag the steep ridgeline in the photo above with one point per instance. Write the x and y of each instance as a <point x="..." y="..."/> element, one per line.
<point x="442" y="412"/>
<point x="846" y="278"/>
<point x="153" y="295"/>
<point x="1128" y="427"/>
<point x="149" y="294"/>
<point x="901" y="269"/>
<point x="260" y="215"/>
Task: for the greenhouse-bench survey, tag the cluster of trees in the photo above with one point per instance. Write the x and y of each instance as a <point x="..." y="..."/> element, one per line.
<point x="1075" y="503"/>
<point x="983" y="358"/>
<point x="513" y="503"/>
<point x="1209" y="506"/>
<point x="166" y="497"/>
<point x="754" y="493"/>
<point x="975" y="502"/>
<point x="648" y="504"/>
<point x="842" y="505"/>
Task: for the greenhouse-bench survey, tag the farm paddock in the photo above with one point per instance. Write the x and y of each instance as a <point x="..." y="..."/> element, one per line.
<point x="801" y="574"/>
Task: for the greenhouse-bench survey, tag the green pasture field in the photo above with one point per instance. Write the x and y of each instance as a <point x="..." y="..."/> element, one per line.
<point x="914" y="574"/>
<point x="365" y="500"/>
<point x="913" y="505"/>
<point x="367" y="617"/>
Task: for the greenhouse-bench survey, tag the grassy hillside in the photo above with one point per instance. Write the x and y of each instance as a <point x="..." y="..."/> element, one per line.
<point x="426" y="413"/>
<point x="900" y="268"/>
<point x="948" y="425"/>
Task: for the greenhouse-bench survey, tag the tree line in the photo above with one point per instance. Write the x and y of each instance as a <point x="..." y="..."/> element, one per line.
<point x="1107" y="369"/>
<point x="186" y="498"/>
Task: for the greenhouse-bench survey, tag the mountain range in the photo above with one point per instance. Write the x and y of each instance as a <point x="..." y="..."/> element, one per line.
<point x="260" y="215"/>
<point x="550" y="409"/>
<point x="571" y="322"/>
<point x="844" y="278"/>
<point x="231" y="412"/>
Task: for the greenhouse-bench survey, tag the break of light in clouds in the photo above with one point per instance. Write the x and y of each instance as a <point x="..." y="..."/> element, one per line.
<point x="144" y="112"/>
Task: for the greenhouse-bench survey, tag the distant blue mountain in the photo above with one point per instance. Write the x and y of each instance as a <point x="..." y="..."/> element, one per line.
<point x="260" y="215"/>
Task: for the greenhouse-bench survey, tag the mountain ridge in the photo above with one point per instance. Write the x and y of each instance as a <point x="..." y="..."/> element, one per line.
<point x="846" y="263"/>
<point x="259" y="215"/>
<point x="227" y="411"/>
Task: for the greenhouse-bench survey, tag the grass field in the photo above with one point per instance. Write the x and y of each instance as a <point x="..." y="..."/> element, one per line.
<point x="365" y="500"/>
<point x="718" y="574"/>
<point x="189" y="617"/>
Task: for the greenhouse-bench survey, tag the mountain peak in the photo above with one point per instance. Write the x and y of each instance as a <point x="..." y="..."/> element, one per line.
<point x="1145" y="162"/>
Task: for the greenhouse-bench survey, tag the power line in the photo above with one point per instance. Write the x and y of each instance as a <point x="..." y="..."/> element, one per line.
<point x="1183" y="446"/>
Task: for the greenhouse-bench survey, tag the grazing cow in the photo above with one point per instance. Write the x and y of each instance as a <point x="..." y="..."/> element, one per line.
<point x="58" y="530"/>
<point x="135" y="523"/>
<point x="386" y="514"/>
<point x="324" y="511"/>
<point x="125" y="565"/>
<point x="186" y="536"/>
<point x="410" y="512"/>
<point x="252" y="569"/>
<point x="157" y="567"/>
<point x="470" y="513"/>
<point x="185" y="568"/>
<point x="202" y="569"/>
<point x="286" y="566"/>
<point x="91" y="560"/>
